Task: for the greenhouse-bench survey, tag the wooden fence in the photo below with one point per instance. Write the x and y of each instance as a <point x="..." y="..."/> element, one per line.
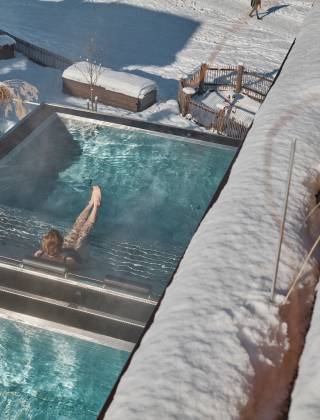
<point x="222" y="122"/>
<point x="40" y="55"/>
<point x="207" y="78"/>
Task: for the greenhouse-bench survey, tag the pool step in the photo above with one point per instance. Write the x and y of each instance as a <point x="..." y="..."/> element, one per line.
<point x="76" y="293"/>
<point x="70" y="314"/>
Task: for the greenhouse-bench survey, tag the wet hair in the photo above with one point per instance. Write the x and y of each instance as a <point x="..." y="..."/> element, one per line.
<point x="52" y="242"/>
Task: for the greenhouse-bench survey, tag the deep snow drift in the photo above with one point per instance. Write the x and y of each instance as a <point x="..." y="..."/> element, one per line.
<point x="216" y="337"/>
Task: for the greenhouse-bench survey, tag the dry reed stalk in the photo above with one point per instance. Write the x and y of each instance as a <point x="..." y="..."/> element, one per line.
<point x="301" y="269"/>
<point x="311" y="212"/>
<point x="5" y="93"/>
<point x="13" y="93"/>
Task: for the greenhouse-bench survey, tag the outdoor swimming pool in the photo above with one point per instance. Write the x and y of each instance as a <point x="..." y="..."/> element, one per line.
<point x="156" y="188"/>
<point x="44" y="375"/>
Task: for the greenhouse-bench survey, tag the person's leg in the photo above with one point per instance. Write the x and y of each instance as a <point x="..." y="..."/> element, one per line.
<point x="257" y="14"/>
<point x="84" y="221"/>
<point x="251" y="13"/>
<point x="71" y="238"/>
<point x="87" y="226"/>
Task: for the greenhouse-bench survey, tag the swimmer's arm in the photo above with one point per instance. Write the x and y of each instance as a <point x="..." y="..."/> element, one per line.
<point x="38" y="253"/>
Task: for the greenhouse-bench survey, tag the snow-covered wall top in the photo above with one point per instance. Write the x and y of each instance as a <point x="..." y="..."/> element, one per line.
<point x="116" y="81"/>
<point x="215" y="332"/>
<point x="6" y="40"/>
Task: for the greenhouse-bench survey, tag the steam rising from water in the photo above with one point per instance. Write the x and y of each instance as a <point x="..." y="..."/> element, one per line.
<point x="155" y="190"/>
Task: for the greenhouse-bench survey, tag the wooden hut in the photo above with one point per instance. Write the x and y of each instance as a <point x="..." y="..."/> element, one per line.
<point x="114" y="88"/>
<point x="7" y="47"/>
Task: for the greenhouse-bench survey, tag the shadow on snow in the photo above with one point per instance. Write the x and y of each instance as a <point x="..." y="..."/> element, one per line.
<point x="127" y="35"/>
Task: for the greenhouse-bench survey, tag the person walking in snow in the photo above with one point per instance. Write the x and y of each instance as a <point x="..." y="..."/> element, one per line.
<point x="255" y="4"/>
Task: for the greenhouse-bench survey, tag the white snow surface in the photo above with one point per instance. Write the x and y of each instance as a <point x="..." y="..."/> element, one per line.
<point x="160" y="40"/>
<point x="116" y="81"/>
<point x="215" y="332"/>
<point x="305" y="403"/>
<point x="6" y="40"/>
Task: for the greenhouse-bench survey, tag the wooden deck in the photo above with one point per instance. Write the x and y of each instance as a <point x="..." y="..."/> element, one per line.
<point x="213" y="79"/>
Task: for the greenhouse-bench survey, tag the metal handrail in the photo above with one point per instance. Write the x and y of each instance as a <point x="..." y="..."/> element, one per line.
<point x="54" y="276"/>
<point x="20" y="264"/>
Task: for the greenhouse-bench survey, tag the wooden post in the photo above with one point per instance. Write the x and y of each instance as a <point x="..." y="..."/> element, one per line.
<point x="185" y="103"/>
<point x="181" y="98"/>
<point x="202" y="75"/>
<point x="185" y="95"/>
<point x="239" y="78"/>
<point x="219" y="126"/>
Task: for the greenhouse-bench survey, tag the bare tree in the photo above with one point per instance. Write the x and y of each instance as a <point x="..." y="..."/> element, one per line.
<point x="14" y="95"/>
<point x="91" y="70"/>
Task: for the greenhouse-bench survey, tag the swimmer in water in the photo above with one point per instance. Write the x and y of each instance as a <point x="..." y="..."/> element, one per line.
<point x="65" y="250"/>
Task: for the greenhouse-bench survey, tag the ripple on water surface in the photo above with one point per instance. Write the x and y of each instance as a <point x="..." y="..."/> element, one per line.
<point x="155" y="191"/>
<point x="44" y="375"/>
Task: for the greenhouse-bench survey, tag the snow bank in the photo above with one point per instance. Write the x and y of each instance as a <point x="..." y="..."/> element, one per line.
<point x="116" y="81"/>
<point x="6" y="40"/>
<point x="217" y="347"/>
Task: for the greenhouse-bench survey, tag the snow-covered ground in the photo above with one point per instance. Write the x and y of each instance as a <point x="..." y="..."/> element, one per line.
<point x="161" y="40"/>
<point x="217" y="348"/>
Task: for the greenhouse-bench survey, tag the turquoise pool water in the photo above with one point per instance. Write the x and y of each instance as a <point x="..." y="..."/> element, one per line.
<point x="46" y="376"/>
<point x="156" y="189"/>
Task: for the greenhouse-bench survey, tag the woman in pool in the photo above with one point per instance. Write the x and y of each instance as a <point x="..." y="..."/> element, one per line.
<point x="55" y="248"/>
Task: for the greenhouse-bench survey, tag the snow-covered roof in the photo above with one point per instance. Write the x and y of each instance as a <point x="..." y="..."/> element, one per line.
<point x="116" y="81"/>
<point x="6" y="40"/>
<point x="216" y="348"/>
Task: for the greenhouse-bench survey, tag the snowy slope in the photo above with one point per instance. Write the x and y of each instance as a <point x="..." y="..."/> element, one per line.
<point x="160" y="40"/>
<point x="217" y="348"/>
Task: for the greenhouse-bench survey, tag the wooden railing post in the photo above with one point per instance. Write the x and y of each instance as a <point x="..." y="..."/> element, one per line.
<point x="239" y="78"/>
<point x="186" y="99"/>
<point x="219" y="124"/>
<point x="202" y="75"/>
